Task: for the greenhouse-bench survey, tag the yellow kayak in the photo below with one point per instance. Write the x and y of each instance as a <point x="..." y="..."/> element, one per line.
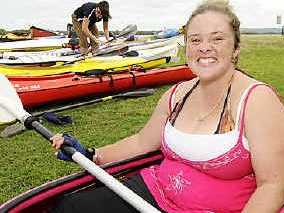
<point x="113" y="63"/>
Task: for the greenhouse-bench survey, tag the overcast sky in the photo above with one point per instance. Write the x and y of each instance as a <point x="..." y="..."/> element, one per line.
<point x="147" y="14"/>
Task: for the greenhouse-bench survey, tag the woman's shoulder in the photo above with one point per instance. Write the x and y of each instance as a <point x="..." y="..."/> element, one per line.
<point x="175" y="93"/>
<point x="256" y="87"/>
<point x="178" y="91"/>
<point x="242" y="82"/>
<point x="259" y="93"/>
<point x="185" y="87"/>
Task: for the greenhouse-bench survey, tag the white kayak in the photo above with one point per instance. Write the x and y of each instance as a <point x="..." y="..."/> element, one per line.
<point x="161" y="47"/>
<point x="34" y="45"/>
<point x="153" y="44"/>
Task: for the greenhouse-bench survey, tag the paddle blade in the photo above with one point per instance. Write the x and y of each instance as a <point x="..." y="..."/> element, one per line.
<point x="11" y="107"/>
<point x="131" y="28"/>
<point x="136" y="93"/>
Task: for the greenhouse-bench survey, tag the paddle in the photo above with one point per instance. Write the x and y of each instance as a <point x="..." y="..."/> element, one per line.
<point x="11" y="108"/>
<point x="18" y="127"/>
<point x="131" y="28"/>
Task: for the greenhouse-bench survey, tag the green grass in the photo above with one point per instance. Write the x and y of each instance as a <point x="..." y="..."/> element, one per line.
<point x="27" y="160"/>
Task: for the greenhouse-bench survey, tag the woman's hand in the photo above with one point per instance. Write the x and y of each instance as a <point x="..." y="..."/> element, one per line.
<point x="57" y="141"/>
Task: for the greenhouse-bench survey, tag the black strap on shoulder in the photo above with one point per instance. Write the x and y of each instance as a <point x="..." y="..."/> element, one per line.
<point x="179" y="105"/>
<point x="223" y="110"/>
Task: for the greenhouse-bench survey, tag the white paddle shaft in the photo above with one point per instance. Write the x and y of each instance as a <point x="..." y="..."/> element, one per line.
<point x="125" y="193"/>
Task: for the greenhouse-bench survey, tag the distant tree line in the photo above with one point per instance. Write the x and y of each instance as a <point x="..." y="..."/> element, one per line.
<point x="3" y="32"/>
<point x="16" y="32"/>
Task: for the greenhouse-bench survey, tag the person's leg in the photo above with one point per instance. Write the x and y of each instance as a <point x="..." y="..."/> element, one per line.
<point x="99" y="200"/>
<point x="83" y="41"/>
<point x="102" y="199"/>
<point x="94" y="30"/>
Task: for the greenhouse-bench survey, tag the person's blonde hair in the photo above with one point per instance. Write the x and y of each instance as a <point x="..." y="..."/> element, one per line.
<point x="221" y="6"/>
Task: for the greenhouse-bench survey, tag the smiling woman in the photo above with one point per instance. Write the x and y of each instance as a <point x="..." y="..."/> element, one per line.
<point x="222" y="134"/>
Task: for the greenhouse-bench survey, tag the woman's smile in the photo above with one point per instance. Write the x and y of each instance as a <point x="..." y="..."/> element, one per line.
<point x="206" y="61"/>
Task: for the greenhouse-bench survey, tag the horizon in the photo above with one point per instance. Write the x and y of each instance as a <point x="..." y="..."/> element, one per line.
<point x="157" y="15"/>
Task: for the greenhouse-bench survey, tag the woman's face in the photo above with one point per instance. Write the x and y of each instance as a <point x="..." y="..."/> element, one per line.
<point x="210" y="45"/>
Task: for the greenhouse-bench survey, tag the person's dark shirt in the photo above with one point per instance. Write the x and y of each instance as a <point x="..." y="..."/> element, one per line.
<point x="85" y="10"/>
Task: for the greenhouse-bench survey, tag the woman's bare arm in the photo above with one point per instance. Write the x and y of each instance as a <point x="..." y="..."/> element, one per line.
<point x="265" y="131"/>
<point x="148" y="139"/>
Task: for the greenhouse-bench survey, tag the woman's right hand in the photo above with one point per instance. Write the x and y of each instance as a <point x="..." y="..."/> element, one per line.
<point x="57" y="141"/>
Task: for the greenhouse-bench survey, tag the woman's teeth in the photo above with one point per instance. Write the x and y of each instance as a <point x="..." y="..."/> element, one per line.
<point x="206" y="61"/>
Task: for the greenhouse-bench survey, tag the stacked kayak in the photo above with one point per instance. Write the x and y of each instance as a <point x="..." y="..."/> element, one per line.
<point x="147" y="58"/>
<point x="34" y="45"/>
<point x="35" y="91"/>
<point x="66" y="54"/>
<point x="58" y="55"/>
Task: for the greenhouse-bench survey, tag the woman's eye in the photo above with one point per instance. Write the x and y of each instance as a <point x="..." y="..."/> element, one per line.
<point x="218" y="39"/>
<point x="195" y="41"/>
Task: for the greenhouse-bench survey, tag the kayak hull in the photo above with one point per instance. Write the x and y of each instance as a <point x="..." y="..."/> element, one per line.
<point x="36" y="91"/>
<point x="41" y="198"/>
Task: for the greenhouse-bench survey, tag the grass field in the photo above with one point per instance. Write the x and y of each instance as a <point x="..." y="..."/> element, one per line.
<point x="27" y="160"/>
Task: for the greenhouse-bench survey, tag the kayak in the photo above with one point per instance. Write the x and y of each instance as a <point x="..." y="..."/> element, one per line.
<point x="167" y="33"/>
<point x="154" y="43"/>
<point x="35" y="91"/>
<point x="67" y="54"/>
<point x="56" y="52"/>
<point x="43" y="197"/>
<point x="57" y="55"/>
<point x="34" y="45"/>
<point x="36" y="32"/>
<point x="50" y="43"/>
<point x="146" y="58"/>
<point x="9" y="37"/>
<point x="83" y="65"/>
<point x="35" y="60"/>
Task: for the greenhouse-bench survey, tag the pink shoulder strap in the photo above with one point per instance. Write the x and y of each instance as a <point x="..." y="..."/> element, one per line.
<point x="243" y="105"/>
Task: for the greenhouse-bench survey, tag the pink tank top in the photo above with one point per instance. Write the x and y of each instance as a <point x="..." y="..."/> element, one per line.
<point x="203" y="173"/>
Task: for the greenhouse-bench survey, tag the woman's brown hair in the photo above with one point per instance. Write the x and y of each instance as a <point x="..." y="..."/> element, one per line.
<point x="221" y="6"/>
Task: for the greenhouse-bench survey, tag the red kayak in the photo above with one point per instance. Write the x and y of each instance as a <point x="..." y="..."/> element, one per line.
<point x="40" y="199"/>
<point x="36" y="91"/>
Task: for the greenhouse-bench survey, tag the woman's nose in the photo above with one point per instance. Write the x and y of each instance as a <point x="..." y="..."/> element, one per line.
<point x="205" y="47"/>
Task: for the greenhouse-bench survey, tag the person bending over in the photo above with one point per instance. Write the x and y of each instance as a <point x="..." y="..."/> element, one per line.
<point x="84" y="20"/>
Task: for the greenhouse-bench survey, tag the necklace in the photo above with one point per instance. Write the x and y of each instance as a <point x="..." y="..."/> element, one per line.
<point x="202" y="118"/>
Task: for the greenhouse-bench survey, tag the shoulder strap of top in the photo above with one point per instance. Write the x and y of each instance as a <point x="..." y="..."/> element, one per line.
<point x="242" y="106"/>
<point x="172" y="96"/>
<point x="223" y="110"/>
<point x="179" y="105"/>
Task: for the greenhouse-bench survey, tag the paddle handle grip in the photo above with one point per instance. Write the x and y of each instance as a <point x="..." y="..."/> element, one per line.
<point x="46" y="133"/>
<point x="33" y="123"/>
